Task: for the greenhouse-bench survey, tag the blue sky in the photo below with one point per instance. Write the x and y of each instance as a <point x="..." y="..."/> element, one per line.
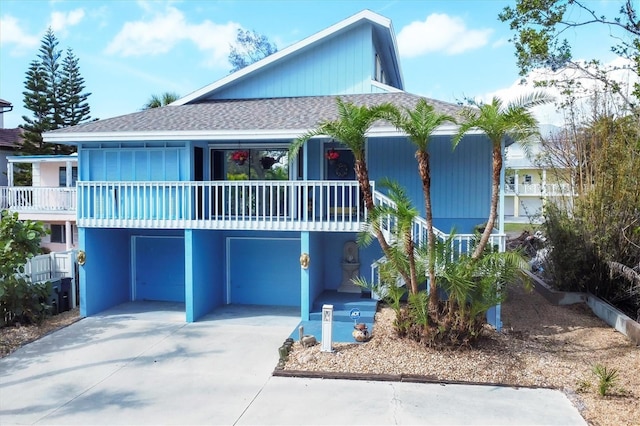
<point x="129" y="50"/>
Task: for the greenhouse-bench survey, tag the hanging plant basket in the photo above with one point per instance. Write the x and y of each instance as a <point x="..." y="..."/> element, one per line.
<point x="332" y="155"/>
<point x="267" y="162"/>
<point x="240" y="156"/>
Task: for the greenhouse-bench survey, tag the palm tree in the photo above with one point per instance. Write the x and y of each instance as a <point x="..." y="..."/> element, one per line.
<point x="349" y="129"/>
<point x="402" y="251"/>
<point x="419" y="124"/>
<point x="499" y="122"/>
<point x="164" y="99"/>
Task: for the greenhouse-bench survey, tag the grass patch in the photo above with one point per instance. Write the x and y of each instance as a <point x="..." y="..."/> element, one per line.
<point x="519" y="227"/>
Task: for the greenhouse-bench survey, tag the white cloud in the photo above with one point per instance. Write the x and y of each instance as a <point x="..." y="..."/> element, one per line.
<point x="549" y="114"/>
<point x="440" y="33"/>
<point x="11" y="33"/>
<point x="165" y="30"/>
<point x="60" y="21"/>
<point x="500" y="42"/>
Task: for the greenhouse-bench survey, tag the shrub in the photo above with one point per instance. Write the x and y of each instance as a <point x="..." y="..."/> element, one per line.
<point x="23" y="302"/>
<point x="20" y="300"/>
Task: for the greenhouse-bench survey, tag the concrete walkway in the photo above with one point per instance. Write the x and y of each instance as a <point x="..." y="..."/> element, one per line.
<point x="141" y="364"/>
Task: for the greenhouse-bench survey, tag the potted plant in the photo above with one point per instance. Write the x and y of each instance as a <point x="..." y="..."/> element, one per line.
<point x="240" y="157"/>
<point x="332" y="155"/>
<point x="267" y="162"/>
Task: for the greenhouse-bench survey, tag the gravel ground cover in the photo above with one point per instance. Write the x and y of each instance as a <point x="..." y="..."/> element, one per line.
<point x="541" y="345"/>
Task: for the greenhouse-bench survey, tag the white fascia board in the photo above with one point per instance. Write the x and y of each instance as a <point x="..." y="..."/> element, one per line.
<point x="365" y="14"/>
<point x="385" y="87"/>
<point x="445" y="130"/>
<point x="394" y="44"/>
<point x="191" y="135"/>
<point x="209" y="135"/>
<point x="41" y="159"/>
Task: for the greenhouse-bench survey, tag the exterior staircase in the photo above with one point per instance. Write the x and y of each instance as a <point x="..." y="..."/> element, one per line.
<point x="343" y="304"/>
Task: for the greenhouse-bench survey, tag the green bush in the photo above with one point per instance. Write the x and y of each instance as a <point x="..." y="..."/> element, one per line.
<point x="572" y="263"/>
<point x="23" y="302"/>
<point x="20" y="300"/>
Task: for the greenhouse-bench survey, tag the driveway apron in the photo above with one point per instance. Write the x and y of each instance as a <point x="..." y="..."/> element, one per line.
<point x="140" y="363"/>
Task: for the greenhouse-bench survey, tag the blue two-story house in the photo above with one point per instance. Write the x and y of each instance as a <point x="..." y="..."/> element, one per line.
<point x="198" y="202"/>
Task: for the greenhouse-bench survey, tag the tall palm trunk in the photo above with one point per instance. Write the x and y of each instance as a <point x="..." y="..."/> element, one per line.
<point x="425" y="174"/>
<point x="495" y="192"/>
<point x="362" y="174"/>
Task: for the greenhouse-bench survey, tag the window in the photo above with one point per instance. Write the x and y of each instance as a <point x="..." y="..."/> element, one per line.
<point x="62" y="176"/>
<point x="511" y="180"/>
<point x="58" y="234"/>
<point x="378" y="72"/>
<point x="528" y="179"/>
<point x="252" y="164"/>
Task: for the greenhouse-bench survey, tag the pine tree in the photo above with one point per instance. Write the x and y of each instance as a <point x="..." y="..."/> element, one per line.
<point x="53" y="93"/>
<point x="35" y="100"/>
<point x="75" y="108"/>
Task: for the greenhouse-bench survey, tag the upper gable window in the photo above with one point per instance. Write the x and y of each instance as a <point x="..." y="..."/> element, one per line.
<point x="378" y="72"/>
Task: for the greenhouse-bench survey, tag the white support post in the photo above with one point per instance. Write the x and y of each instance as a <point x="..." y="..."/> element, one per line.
<point x="74" y="284"/>
<point x="69" y="173"/>
<point x="10" y="174"/>
<point x="68" y="235"/>
<point x="327" y="328"/>
<point x="501" y="205"/>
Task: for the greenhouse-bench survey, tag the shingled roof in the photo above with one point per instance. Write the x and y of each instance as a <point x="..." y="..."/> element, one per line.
<point x="10" y="137"/>
<point x="273" y="114"/>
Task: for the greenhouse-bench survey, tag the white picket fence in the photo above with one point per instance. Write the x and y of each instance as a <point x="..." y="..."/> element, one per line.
<point x="53" y="266"/>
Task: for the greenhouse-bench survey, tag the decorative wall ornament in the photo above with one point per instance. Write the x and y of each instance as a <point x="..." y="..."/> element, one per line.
<point x="304" y="260"/>
<point x="81" y="257"/>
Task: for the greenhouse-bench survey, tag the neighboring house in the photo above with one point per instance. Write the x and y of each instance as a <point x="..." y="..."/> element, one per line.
<point x="198" y="202"/>
<point x="9" y="139"/>
<point x="531" y="184"/>
<point x="51" y="199"/>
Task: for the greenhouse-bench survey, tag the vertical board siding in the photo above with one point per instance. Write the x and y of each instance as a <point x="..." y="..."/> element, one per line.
<point x="135" y="164"/>
<point x="338" y="65"/>
<point x="460" y="179"/>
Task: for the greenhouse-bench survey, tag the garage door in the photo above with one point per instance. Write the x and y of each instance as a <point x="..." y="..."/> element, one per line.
<point x="264" y="271"/>
<point x="159" y="268"/>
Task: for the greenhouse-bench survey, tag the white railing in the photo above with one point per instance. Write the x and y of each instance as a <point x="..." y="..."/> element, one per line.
<point x="38" y="199"/>
<point x="243" y="205"/>
<point x="460" y="243"/>
<point x="53" y="266"/>
<point x="549" y="189"/>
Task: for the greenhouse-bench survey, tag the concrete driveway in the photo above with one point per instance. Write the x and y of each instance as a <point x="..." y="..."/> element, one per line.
<point x="141" y="364"/>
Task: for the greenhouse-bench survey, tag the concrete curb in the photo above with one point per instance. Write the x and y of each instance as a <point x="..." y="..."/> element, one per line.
<point x="603" y="310"/>
<point x="406" y="378"/>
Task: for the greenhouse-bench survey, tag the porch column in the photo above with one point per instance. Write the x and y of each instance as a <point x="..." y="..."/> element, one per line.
<point x="305" y="247"/>
<point x="68" y="234"/>
<point x="9" y="174"/>
<point x="69" y="173"/>
<point x="501" y="205"/>
<point x="516" y="198"/>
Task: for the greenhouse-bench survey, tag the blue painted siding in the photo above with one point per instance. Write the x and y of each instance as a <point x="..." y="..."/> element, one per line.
<point x="339" y="65"/>
<point x="316" y="269"/>
<point x="264" y="271"/>
<point x="131" y="163"/>
<point x="105" y="277"/>
<point x="159" y="271"/>
<point x="204" y="272"/>
<point x="460" y="179"/>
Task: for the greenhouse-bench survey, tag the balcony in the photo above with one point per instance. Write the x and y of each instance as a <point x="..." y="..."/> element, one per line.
<point x="38" y="200"/>
<point x="229" y="205"/>
<point x="538" y="189"/>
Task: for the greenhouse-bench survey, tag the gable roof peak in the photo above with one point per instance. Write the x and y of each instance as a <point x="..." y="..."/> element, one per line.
<point x="364" y="15"/>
